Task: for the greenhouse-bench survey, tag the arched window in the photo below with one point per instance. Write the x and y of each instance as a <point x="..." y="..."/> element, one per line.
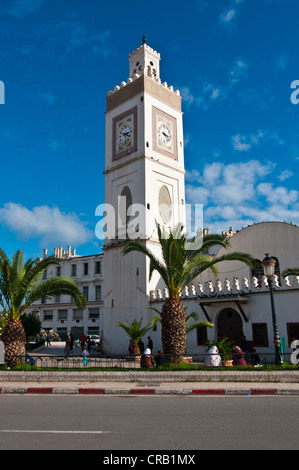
<point x="124" y="205"/>
<point x="258" y="272"/>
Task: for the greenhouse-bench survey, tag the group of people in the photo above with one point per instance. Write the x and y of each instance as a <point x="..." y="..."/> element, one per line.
<point x="239" y="357"/>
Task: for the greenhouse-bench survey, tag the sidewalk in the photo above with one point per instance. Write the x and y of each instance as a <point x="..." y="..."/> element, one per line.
<point x="149" y="383"/>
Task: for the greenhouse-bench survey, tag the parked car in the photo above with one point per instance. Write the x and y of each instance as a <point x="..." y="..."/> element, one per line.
<point x="76" y="343"/>
<point x="95" y="340"/>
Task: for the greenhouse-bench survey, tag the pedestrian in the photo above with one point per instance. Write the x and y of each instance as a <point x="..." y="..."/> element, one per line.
<point x="159" y="358"/>
<point x="88" y="344"/>
<point x="147" y="359"/>
<point x="72" y="343"/>
<point x="245" y="348"/>
<point x="239" y="357"/>
<point x="85" y="354"/>
<point x="130" y="348"/>
<point x="82" y="341"/>
<point x="212" y="358"/>
<point x="150" y="344"/>
<point x="141" y="346"/>
<point x="48" y="339"/>
<point x="67" y="349"/>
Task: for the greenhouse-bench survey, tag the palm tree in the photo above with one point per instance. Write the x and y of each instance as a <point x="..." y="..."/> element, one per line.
<point x="135" y="331"/>
<point x="178" y="267"/>
<point x="189" y="326"/>
<point x="20" y="286"/>
<point x="290" y="272"/>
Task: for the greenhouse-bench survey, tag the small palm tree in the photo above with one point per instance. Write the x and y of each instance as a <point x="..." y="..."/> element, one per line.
<point x="135" y="331"/>
<point x="21" y="285"/>
<point x="178" y="267"/>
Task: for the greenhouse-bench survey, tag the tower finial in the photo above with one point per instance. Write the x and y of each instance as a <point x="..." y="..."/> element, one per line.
<point x="144" y="39"/>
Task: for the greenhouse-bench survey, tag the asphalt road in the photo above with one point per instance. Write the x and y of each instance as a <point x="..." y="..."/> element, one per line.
<point x="148" y="423"/>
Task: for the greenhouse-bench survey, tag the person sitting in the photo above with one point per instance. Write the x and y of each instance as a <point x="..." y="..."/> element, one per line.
<point x="255" y="358"/>
<point x="239" y="357"/>
<point x="212" y="358"/>
<point x="147" y="359"/>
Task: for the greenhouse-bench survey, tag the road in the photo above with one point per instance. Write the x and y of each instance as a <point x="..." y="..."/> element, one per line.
<point x="148" y="423"/>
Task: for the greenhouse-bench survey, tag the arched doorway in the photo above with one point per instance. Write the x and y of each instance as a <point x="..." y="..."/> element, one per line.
<point x="229" y="324"/>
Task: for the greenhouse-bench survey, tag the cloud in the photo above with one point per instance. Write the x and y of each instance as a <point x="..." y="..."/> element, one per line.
<point x="228" y="16"/>
<point x="244" y="143"/>
<point x="210" y="92"/>
<point x="47" y="223"/>
<point x="238" y="195"/>
<point x="22" y="8"/>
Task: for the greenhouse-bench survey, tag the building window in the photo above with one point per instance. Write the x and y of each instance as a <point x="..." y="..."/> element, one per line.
<point x="43" y="300"/>
<point x="202" y="336"/>
<point x="85" y="292"/>
<point x="45" y="274"/>
<point x="98" y="292"/>
<point x="293" y="332"/>
<point x="58" y="271"/>
<point x="62" y="332"/>
<point x="94" y="313"/>
<point x="48" y="315"/>
<point x="85" y="269"/>
<point x="62" y="314"/>
<point x="74" y="270"/>
<point x="260" y="335"/>
<point x="98" y="267"/>
<point x="77" y="314"/>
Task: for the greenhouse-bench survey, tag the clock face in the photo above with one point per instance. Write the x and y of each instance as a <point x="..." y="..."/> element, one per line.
<point x="164" y="134"/>
<point x="125" y="134"/>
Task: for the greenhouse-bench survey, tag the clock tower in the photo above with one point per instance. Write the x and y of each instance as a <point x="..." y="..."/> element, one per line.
<point x="144" y="185"/>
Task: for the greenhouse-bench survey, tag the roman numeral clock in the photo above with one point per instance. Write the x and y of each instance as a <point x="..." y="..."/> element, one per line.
<point x="144" y="161"/>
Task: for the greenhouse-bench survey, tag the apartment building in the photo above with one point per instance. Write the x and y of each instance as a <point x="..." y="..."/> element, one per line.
<point x="61" y="313"/>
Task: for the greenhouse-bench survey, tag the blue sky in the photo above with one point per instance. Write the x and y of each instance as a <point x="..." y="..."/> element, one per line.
<point x="233" y="62"/>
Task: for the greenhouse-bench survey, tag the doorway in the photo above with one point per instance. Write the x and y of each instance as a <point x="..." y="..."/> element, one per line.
<point x="229" y="324"/>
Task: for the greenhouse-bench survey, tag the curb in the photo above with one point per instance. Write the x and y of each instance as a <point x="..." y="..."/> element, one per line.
<point x="143" y="391"/>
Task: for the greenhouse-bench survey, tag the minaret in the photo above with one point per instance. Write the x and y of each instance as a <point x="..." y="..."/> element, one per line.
<point x="144" y="166"/>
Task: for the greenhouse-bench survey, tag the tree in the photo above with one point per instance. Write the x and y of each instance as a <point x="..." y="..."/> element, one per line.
<point x="21" y="285"/>
<point x="178" y="267"/>
<point x="290" y="272"/>
<point x="31" y="324"/>
<point x="135" y="331"/>
<point x="189" y="326"/>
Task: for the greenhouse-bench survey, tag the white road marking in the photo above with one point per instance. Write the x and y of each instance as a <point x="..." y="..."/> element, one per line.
<point x="52" y="431"/>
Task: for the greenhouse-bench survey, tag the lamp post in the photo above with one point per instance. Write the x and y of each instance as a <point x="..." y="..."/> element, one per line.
<point x="269" y="270"/>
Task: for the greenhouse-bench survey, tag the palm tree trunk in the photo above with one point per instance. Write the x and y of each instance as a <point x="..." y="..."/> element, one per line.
<point x="173" y="319"/>
<point x="14" y="342"/>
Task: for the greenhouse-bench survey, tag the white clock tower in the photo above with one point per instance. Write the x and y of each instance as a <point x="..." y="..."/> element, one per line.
<point x="144" y="184"/>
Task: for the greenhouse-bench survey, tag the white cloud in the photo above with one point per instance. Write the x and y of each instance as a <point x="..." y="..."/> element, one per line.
<point x="244" y="143"/>
<point x="22" y="8"/>
<point x="209" y="92"/>
<point x="228" y="15"/>
<point x="237" y="195"/>
<point x="44" y="222"/>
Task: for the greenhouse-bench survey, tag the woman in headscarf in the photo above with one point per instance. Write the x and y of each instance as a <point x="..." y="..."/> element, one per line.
<point x="239" y="357"/>
<point x="147" y="359"/>
<point x="212" y="358"/>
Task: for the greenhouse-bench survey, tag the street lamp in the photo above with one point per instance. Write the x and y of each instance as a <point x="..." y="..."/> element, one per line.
<point x="269" y="270"/>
